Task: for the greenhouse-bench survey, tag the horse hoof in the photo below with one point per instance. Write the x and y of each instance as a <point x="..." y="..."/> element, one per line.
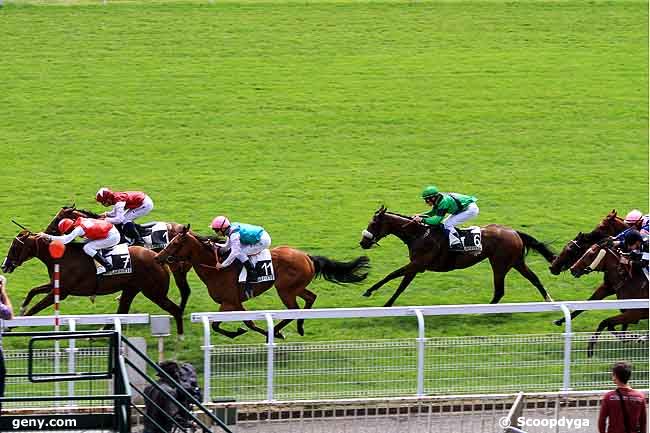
<point x="367" y="293"/>
<point x="301" y="332"/>
<point x="22" y="311"/>
<point x="279" y="335"/>
<point x="181" y="337"/>
<point x="558" y="322"/>
<point x="549" y="299"/>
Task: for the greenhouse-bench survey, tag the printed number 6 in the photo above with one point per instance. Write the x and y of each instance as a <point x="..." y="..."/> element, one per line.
<point x="477" y="240"/>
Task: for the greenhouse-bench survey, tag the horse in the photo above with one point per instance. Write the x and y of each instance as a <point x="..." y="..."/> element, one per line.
<point x="294" y="270"/>
<point x="611" y="225"/>
<point x="179" y="270"/>
<point x="621" y="277"/>
<point x="428" y="251"/>
<point x="78" y="276"/>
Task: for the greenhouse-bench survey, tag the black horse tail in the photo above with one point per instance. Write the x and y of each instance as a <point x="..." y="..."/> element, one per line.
<point x="542" y="248"/>
<point x="341" y="272"/>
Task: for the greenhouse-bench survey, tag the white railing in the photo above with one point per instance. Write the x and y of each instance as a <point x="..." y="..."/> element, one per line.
<point x="51" y="359"/>
<point x="421" y="343"/>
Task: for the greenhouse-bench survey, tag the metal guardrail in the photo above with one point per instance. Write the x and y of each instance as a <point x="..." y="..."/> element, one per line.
<point x="418" y="311"/>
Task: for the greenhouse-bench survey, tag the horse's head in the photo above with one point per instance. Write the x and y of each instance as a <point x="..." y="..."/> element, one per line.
<point x="70" y="212"/>
<point x="570" y="253"/>
<point x="377" y="229"/>
<point x="179" y="249"/>
<point x="593" y="259"/>
<point x="611" y="225"/>
<point x="23" y="247"/>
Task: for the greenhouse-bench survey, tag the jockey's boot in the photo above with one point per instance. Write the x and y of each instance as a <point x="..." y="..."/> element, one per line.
<point x="251" y="277"/>
<point x="102" y="261"/>
<point x="454" y="242"/>
<point x="131" y="231"/>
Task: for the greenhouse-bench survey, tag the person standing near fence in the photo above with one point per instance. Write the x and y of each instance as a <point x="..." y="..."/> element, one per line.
<point x="622" y="410"/>
<point x="6" y="313"/>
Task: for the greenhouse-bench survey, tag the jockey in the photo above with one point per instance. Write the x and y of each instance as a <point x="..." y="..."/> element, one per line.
<point x="636" y="219"/>
<point x="637" y="246"/>
<point x="244" y="240"/>
<point x="100" y="234"/>
<point x="460" y="207"/>
<point x="127" y="206"/>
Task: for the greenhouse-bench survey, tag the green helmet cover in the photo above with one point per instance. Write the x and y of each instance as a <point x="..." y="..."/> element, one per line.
<point x="430" y="191"/>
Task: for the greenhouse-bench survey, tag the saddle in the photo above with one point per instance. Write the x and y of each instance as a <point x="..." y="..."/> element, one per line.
<point x="470" y="240"/>
<point x="154" y="234"/>
<point x="119" y="257"/>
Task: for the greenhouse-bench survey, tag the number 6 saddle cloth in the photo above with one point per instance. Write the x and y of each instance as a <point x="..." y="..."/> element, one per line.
<point x="470" y="240"/>
<point x="263" y="267"/>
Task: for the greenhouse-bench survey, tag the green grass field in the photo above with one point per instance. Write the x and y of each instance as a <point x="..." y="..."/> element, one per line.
<point x="304" y="117"/>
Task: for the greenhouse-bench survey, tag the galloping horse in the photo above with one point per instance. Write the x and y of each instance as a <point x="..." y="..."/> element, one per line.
<point x="623" y="280"/>
<point x="611" y="225"/>
<point x="428" y="251"/>
<point x="294" y="270"/>
<point x="78" y="276"/>
<point x="179" y="270"/>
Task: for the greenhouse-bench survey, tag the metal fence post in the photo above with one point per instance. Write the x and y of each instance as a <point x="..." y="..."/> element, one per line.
<point x="566" y="382"/>
<point x="269" y="357"/>
<point x="72" y="327"/>
<point x="421" y="346"/>
<point x="207" y="347"/>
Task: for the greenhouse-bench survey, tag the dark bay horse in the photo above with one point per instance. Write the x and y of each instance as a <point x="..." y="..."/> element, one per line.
<point x="294" y="270"/>
<point x="611" y="225"/>
<point x="624" y="281"/>
<point x="179" y="270"/>
<point x="504" y="247"/>
<point x="78" y="276"/>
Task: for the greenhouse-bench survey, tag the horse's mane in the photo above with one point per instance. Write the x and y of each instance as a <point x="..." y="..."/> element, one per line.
<point x="206" y="241"/>
<point x="89" y="213"/>
<point x="399" y="215"/>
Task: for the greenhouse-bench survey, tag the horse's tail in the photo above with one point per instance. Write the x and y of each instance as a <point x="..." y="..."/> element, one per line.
<point x="540" y="247"/>
<point x="354" y="271"/>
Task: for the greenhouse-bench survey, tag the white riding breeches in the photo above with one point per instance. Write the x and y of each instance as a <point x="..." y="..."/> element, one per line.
<point x="145" y="208"/>
<point x="91" y="247"/>
<point x="453" y="220"/>
<point x="251" y="250"/>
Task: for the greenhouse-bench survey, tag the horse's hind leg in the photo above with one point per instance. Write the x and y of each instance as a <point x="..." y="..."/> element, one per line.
<point x="45" y="288"/>
<point x="525" y="271"/>
<point x="310" y="298"/>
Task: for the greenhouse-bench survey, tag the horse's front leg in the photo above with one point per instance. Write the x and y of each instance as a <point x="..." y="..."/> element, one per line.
<point x="403" y="285"/>
<point x="45" y="288"/>
<point x="601" y="292"/>
<point x="395" y="274"/>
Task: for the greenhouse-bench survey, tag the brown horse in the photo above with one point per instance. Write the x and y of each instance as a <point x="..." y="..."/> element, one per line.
<point x="428" y="251"/>
<point x="78" y="276"/>
<point x="179" y="270"/>
<point x="624" y="281"/>
<point x="611" y="225"/>
<point x="294" y="270"/>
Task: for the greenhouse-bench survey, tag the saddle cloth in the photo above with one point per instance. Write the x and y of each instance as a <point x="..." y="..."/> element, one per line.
<point x="470" y="240"/>
<point x="154" y="234"/>
<point x="119" y="257"/>
<point x="263" y="267"/>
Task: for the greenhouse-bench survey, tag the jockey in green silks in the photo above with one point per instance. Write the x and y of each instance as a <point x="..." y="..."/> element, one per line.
<point x="460" y="208"/>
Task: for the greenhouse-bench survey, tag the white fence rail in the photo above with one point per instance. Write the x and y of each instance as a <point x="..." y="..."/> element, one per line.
<point x="77" y="356"/>
<point x="422" y="366"/>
